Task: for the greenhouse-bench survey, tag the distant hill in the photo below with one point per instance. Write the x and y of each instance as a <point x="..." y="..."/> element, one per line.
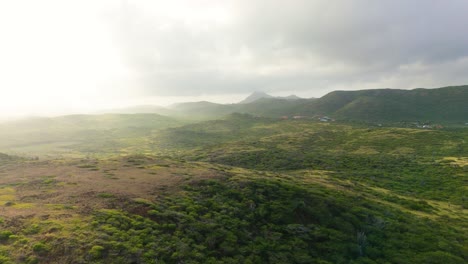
<point x="442" y="104"/>
<point x="4" y="157"/>
<point x="291" y="97"/>
<point x="138" y="109"/>
<point x="267" y="107"/>
<point x="87" y="122"/>
<point x="201" y="109"/>
<point x="445" y="105"/>
<point x="261" y="95"/>
<point x="272" y="107"/>
<point x="254" y="97"/>
<point x="44" y="135"/>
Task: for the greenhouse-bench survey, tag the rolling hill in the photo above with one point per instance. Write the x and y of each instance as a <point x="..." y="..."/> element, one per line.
<point x="447" y="105"/>
<point x="244" y="189"/>
<point x="35" y="136"/>
<point x="261" y="95"/>
<point x="443" y="105"/>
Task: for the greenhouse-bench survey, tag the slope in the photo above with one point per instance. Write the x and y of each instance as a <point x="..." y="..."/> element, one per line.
<point x="246" y="190"/>
<point x="85" y="133"/>
<point x="442" y="104"/>
<point x="446" y="105"/>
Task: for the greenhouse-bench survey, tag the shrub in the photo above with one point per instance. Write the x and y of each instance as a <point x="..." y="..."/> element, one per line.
<point x="5" y="260"/>
<point x="40" y="248"/>
<point x="105" y="195"/>
<point x="96" y="252"/>
<point x="5" y="235"/>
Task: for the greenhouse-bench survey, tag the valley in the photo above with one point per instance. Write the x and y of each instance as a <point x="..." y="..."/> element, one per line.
<point x="240" y="189"/>
<point x="233" y="132"/>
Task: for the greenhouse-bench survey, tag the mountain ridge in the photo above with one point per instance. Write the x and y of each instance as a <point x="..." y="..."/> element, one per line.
<point x="445" y="104"/>
<point x="257" y="95"/>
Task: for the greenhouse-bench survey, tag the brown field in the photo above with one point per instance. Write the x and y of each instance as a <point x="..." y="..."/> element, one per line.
<point x="47" y="189"/>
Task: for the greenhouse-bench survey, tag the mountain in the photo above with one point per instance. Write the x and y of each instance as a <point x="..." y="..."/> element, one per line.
<point x="261" y="95"/>
<point x="443" y="105"/>
<point x="447" y="104"/>
<point x="146" y="188"/>
<point x="291" y="97"/>
<point x="254" y="97"/>
<point x="266" y="107"/>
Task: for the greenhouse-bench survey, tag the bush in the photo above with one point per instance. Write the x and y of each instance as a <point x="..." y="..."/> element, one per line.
<point x="5" y="260"/>
<point x="40" y="248"/>
<point x="105" y="195"/>
<point x="96" y="252"/>
<point x="5" y="235"/>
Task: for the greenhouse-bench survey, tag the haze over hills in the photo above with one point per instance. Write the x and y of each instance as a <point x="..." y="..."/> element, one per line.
<point x="255" y="96"/>
<point x="446" y="104"/>
<point x="238" y="187"/>
<point x="244" y="189"/>
<point x="261" y="95"/>
<point x="441" y="104"/>
<point x="130" y="132"/>
<point x="38" y="136"/>
<point x="137" y="109"/>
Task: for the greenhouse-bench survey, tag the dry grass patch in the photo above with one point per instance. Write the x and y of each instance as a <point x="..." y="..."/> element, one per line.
<point x="365" y="150"/>
<point x="75" y="185"/>
<point x="459" y="161"/>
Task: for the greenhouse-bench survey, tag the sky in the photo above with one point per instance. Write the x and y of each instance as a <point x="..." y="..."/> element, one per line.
<point x="64" y="56"/>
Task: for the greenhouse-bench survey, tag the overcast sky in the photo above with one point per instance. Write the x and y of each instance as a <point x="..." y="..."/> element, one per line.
<point x="72" y="56"/>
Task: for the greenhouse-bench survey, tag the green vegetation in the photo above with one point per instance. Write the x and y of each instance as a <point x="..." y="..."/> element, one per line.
<point x="272" y="221"/>
<point x="445" y="105"/>
<point x="242" y="189"/>
<point x="78" y="135"/>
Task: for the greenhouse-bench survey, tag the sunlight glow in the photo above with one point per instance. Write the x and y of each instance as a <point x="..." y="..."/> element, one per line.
<point x="61" y="56"/>
<point x="52" y="60"/>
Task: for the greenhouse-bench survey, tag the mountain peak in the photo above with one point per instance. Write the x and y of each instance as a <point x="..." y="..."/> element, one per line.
<point x="255" y="96"/>
<point x="261" y="95"/>
<point x="292" y="97"/>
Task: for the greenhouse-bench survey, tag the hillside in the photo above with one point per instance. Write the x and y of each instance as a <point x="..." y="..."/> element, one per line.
<point x="243" y="189"/>
<point x="83" y="133"/>
<point x="442" y="104"/>
<point x="146" y="188"/>
<point x="268" y="107"/>
<point x="138" y="109"/>
<point x="5" y="159"/>
<point x="445" y="105"/>
<point x="201" y="110"/>
<point x="254" y="97"/>
<point x="261" y="95"/>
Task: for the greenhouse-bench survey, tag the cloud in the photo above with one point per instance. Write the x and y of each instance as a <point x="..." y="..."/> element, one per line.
<point x="299" y="46"/>
<point x="61" y="56"/>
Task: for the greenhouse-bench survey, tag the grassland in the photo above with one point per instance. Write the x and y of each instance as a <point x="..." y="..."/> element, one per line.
<point x="242" y="189"/>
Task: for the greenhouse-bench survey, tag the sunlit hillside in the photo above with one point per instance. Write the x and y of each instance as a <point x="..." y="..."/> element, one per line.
<point x="241" y="189"/>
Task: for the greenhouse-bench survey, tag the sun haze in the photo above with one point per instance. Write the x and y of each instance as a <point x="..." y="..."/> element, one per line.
<point x="81" y="56"/>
